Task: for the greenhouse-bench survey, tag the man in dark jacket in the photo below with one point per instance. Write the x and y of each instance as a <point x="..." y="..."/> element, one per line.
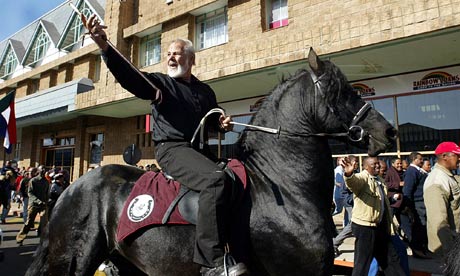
<point x="6" y="186"/>
<point x="179" y="102"/>
<point x="38" y="197"/>
<point x="413" y="201"/>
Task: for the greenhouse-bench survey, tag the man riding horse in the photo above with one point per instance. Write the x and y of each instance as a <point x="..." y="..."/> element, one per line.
<point x="179" y="101"/>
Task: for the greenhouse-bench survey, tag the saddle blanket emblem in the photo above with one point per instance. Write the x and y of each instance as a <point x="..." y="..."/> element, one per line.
<point x="147" y="203"/>
<point x="150" y="198"/>
<point x="140" y="207"/>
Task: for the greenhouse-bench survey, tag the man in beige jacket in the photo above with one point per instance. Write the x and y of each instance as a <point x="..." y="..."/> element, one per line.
<point x="371" y="220"/>
<point x="442" y="200"/>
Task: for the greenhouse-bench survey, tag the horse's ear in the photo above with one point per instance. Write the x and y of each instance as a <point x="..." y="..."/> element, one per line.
<point x="315" y="62"/>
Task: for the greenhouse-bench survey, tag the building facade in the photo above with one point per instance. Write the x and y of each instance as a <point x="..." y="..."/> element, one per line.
<point x="400" y="55"/>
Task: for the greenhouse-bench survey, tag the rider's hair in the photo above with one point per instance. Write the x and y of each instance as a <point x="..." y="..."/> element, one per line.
<point x="188" y="45"/>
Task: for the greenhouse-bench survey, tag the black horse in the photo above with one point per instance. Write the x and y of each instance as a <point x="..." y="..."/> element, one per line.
<point x="290" y="193"/>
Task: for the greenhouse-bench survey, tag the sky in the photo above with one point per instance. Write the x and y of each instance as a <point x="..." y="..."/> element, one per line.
<point x="17" y="14"/>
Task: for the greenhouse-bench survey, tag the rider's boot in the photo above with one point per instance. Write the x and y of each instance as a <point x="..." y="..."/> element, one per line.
<point x="228" y="268"/>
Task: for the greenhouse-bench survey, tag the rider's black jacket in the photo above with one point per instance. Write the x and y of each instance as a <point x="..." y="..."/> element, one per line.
<point x="177" y="106"/>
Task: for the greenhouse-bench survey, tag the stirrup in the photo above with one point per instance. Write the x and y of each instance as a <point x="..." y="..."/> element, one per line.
<point x="231" y="266"/>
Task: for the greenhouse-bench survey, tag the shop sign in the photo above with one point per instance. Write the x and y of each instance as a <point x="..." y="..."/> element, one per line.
<point x="363" y="90"/>
<point x="436" y="79"/>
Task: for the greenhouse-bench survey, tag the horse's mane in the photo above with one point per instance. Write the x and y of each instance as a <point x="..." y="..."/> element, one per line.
<point x="272" y="99"/>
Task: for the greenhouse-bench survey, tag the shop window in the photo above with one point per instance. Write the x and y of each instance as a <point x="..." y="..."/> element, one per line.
<point x="212" y="28"/>
<point x="61" y="158"/>
<point x="425" y="120"/>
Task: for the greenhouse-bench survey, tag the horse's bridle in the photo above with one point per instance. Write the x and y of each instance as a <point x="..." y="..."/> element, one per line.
<point x="353" y="127"/>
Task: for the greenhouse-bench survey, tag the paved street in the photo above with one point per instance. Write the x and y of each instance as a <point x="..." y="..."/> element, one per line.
<point x="16" y="258"/>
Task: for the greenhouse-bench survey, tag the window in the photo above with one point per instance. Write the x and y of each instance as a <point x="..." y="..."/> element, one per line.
<point x="41" y="45"/>
<point x="150" y="49"/>
<point x="10" y="63"/>
<point x="277" y="11"/>
<point x="96" y="149"/>
<point x="211" y="28"/>
<point x="425" y="120"/>
<point x="72" y="40"/>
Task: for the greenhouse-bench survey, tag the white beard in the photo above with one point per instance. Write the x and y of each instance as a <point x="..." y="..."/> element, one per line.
<point x="178" y="72"/>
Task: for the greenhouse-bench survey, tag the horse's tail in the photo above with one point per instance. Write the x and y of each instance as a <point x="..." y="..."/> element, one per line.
<point x="39" y="266"/>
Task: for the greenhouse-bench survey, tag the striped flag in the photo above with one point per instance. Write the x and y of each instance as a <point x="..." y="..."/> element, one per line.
<point x="8" y="121"/>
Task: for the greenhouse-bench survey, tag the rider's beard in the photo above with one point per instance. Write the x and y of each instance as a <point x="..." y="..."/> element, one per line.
<point x="179" y="71"/>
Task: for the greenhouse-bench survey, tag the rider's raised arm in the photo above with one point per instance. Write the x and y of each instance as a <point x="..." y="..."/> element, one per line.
<point x="141" y="84"/>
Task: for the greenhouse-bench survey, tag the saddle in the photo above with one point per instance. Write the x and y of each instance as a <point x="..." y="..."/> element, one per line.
<point x="157" y="199"/>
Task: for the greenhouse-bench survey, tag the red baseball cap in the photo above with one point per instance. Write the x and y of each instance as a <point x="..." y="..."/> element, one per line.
<point x="447" y="147"/>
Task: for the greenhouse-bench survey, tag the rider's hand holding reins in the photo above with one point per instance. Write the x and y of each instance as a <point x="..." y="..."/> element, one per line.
<point x="225" y="122"/>
<point x="96" y="31"/>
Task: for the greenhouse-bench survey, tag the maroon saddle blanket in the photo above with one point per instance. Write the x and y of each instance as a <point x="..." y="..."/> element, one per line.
<point x="151" y="197"/>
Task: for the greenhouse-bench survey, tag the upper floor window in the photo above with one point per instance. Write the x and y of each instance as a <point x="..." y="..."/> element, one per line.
<point x="41" y="46"/>
<point x="277" y="11"/>
<point x="150" y="49"/>
<point x="74" y="32"/>
<point x="211" y="28"/>
<point x="9" y="64"/>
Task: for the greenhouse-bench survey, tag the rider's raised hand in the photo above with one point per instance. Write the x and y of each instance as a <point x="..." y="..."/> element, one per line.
<point x="96" y="31"/>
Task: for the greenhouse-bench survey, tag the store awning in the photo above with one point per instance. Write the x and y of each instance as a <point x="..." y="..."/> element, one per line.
<point x="51" y="105"/>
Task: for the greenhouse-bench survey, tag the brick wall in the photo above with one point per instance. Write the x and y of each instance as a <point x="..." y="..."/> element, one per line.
<point x="328" y="26"/>
<point x="48" y="79"/>
<point x="64" y="73"/>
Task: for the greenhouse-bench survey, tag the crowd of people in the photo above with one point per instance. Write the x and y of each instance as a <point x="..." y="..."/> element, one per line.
<point x="36" y="189"/>
<point x="402" y="204"/>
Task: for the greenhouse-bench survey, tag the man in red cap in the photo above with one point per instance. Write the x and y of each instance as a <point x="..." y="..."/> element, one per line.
<point x="442" y="200"/>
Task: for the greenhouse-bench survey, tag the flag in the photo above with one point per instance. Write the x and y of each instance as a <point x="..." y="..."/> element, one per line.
<point x="8" y="121"/>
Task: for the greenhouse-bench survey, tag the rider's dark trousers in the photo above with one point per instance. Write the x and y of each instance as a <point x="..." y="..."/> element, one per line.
<point x="198" y="173"/>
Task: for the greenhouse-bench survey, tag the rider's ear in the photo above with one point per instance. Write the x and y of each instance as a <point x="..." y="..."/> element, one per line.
<point x="315" y="62"/>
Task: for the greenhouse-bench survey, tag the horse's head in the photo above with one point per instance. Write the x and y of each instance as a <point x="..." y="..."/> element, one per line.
<point x="340" y="110"/>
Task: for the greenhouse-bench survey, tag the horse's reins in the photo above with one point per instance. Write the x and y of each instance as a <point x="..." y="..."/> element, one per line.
<point x="278" y="131"/>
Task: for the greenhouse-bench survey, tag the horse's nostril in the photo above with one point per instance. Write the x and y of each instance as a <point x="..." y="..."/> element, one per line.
<point x="392" y="132"/>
